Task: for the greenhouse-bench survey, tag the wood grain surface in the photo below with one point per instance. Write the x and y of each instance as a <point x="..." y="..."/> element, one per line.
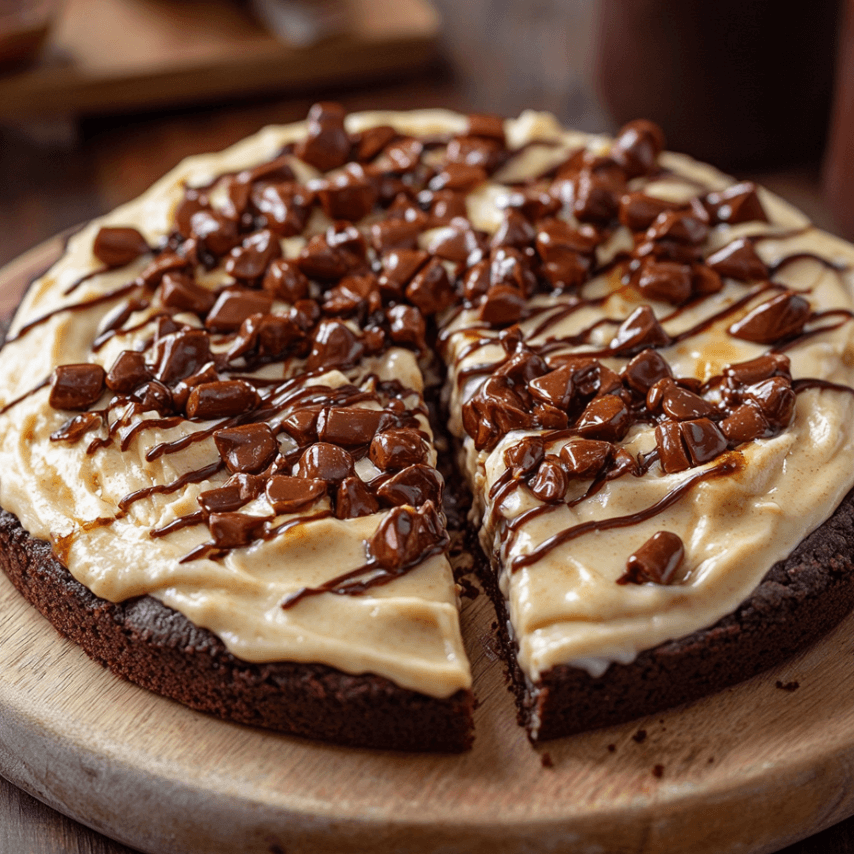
<point x="122" y="54"/>
<point x="751" y="768"/>
<point x="500" y="56"/>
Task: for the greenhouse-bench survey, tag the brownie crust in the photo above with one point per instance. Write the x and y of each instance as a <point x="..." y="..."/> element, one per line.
<point x="800" y="598"/>
<point x="150" y="644"/>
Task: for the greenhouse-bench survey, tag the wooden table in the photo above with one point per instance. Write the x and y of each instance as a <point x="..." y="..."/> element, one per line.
<point x="500" y="58"/>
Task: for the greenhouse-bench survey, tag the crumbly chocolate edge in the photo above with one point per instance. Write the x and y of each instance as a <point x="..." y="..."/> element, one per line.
<point x="148" y="643"/>
<point x="800" y="599"/>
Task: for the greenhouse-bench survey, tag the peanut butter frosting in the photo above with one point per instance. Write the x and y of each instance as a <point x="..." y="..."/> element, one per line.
<point x="217" y="396"/>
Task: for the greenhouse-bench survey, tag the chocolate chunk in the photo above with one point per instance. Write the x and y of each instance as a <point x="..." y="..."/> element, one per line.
<point x="193" y="202"/>
<point x="154" y="396"/>
<point x="326" y="144"/>
<point x="397" y="449"/>
<point x="555" y="387"/>
<point x="247" y="448"/>
<point x="353" y="498"/>
<point x="624" y="463"/>
<point x="458" y="243"/>
<point x="738" y="203"/>
<point x="323" y="461"/>
<point x="404" y="154"/>
<point x="458" y="176"/>
<point x="503" y="305"/>
<point x="350" y="195"/>
<point x="251" y="259"/>
<point x="744" y="424"/>
<point x="285" y="281"/>
<point x="476" y="281"/>
<point x="222" y="399"/>
<point x="406" y="326"/>
<point x="289" y="494"/>
<point x="705" y="280"/>
<point x="327" y="261"/>
<point x="509" y="266"/>
<point x="738" y="260"/>
<point x="116" y="247"/>
<point x="395" y="234"/>
<point x="76" y="386"/>
<point x="335" y="345"/>
<point x="445" y="206"/>
<point x="524" y="456"/>
<point x="430" y="289"/>
<point x="405" y="536"/>
<point x="683" y="405"/>
<point x="476" y="151"/>
<point x="645" y="370"/>
<point x="514" y="231"/>
<point x="494" y="410"/>
<point x="783" y="316"/>
<point x="284" y="208"/>
<point x="181" y="354"/>
<point x="128" y="371"/>
<point x="486" y="125"/>
<point x="679" y="226"/>
<point x="234" y="305"/>
<point x="372" y="141"/>
<point x="277" y="336"/>
<point x="638" y="211"/>
<point x="605" y="418"/>
<point x="667" y="281"/>
<point x="76" y="427"/>
<point x="352" y="294"/>
<point x="550" y="417"/>
<point x="233" y="530"/>
<point x="414" y="485"/>
<point x="222" y="499"/>
<point x="305" y="313"/>
<point x="586" y="458"/>
<point x="656" y="561"/>
<point x="550" y="482"/>
<point x="637" y="147"/>
<point x="594" y="200"/>
<point x="639" y="331"/>
<point x="399" y="266"/>
<point x="302" y="426"/>
<point x="166" y="262"/>
<point x="214" y="231"/>
<point x="775" y="398"/>
<point x="250" y="485"/>
<point x="703" y="439"/>
<point x="181" y="391"/>
<point x="671" y="451"/>
<point x="522" y="367"/>
<point x="179" y="291"/>
<point x="761" y="368"/>
<point x="348" y="426"/>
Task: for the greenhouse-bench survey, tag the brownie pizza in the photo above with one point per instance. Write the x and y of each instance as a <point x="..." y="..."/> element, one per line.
<point x="220" y="441"/>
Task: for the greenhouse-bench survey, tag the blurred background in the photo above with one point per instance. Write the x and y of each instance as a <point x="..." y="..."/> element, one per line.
<point x="98" y="98"/>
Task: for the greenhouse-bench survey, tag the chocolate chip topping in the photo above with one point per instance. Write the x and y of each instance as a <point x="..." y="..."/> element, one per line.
<point x="586" y="457"/>
<point x="550" y="482"/>
<point x="247" y="448"/>
<point x="525" y="456"/>
<point x="116" y="247"/>
<point x="739" y="203"/>
<point x="405" y="536"/>
<point x="639" y="331"/>
<point x="703" y="440"/>
<point x="288" y="494"/>
<point x="605" y="418"/>
<point x="180" y="354"/>
<point x="738" y="260"/>
<point x="179" y="291"/>
<point x="128" y="371"/>
<point x="413" y="485"/>
<point x="76" y="386"/>
<point x="671" y="450"/>
<point x="326" y="145"/>
<point x="323" y="461"/>
<point x="222" y="499"/>
<point x="656" y="561"/>
<point x="222" y="399"/>
<point x="349" y="426"/>
<point x="783" y="316"/>
<point x="397" y="449"/>
<point x="234" y="305"/>
<point x="353" y="498"/>
<point x="233" y="530"/>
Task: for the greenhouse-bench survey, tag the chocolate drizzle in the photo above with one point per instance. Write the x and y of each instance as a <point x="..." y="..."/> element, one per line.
<point x="368" y="284"/>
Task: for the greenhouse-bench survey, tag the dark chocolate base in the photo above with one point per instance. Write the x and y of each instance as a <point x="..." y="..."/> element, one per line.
<point x="798" y="600"/>
<point x="148" y="643"/>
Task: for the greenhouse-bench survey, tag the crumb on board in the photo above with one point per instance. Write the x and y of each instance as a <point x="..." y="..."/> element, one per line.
<point x="546" y="760"/>
<point x="639" y="736"/>
<point x="658" y="771"/>
<point x="787" y="686"/>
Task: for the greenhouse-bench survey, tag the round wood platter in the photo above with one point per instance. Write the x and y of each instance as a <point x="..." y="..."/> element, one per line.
<point x="750" y="769"/>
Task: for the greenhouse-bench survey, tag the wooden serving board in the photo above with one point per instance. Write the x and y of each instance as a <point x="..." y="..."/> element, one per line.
<point x="130" y="54"/>
<point x="750" y="769"/>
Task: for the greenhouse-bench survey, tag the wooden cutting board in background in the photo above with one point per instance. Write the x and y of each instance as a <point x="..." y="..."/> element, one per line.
<point x="116" y="55"/>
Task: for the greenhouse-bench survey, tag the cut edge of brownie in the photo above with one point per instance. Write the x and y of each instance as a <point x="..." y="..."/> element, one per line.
<point x="799" y="599"/>
<point x="146" y="642"/>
